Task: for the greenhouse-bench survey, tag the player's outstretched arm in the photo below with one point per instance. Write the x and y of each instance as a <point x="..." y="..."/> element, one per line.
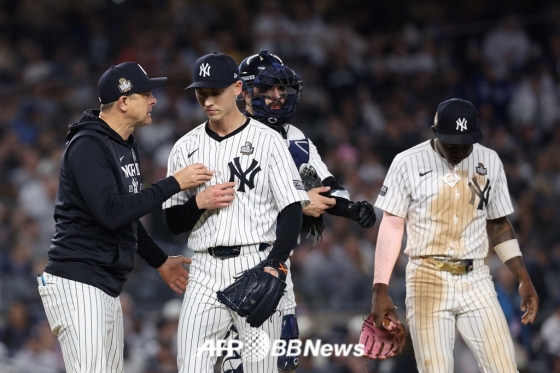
<point x="339" y="203"/>
<point x="506" y="246"/>
<point x="193" y="175"/>
<point x="174" y="274"/>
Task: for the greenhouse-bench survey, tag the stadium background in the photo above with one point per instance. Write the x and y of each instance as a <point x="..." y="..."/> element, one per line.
<point x="373" y="71"/>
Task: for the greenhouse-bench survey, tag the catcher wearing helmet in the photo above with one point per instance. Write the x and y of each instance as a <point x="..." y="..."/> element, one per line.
<point x="271" y="91"/>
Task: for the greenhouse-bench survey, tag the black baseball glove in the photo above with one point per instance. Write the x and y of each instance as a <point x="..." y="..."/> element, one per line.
<point x="363" y="213"/>
<point x="255" y="294"/>
<point x="311" y="180"/>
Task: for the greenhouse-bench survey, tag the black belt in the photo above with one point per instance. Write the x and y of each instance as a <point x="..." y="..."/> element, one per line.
<point x="226" y="252"/>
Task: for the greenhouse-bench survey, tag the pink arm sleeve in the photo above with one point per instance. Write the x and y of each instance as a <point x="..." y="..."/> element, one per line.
<point x="388" y="247"/>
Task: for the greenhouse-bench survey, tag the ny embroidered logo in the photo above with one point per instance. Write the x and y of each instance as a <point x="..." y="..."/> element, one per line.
<point x="461" y="124"/>
<point x="235" y="169"/>
<point x="483" y="194"/>
<point x="204" y="70"/>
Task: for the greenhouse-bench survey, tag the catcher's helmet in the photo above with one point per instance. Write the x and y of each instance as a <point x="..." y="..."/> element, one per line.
<point x="264" y="70"/>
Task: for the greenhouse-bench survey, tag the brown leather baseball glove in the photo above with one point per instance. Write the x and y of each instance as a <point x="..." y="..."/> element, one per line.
<point x="382" y="342"/>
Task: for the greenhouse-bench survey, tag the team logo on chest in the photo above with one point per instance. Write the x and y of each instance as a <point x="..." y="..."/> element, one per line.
<point x="482" y="194"/>
<point x="247" y="148"/>
<point x="246" y="177"/>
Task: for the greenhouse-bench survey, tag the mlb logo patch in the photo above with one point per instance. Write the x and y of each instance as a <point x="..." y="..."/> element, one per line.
<point x="383" y="191"/>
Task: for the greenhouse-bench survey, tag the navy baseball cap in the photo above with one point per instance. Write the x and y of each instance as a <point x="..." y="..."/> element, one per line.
<point x="456" y="122"/>
<point x="214" y="70"/>
<point x="125" y="79"/>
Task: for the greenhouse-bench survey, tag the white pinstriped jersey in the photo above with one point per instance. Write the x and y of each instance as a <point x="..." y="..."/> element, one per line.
<point x="256" y="158"/>
<point x="443" y="221"/>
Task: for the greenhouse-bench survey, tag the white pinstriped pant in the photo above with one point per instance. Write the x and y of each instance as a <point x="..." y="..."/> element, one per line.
<point x="203" y="318"/>
<point x="437" y="302"/>
<point x="289" y="300"/>
<point x="87" y="322"/>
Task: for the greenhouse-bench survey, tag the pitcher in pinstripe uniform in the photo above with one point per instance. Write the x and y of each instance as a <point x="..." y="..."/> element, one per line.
<point x="271" y="92"/>
<point x="99" y="203"/>
<point x="231" y="218"/>
<point x="452" y="194"/>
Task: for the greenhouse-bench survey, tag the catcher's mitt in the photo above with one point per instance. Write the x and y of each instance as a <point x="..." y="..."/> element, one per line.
<point x="255" y="294"/>
<point x="311" y="225"/>
<point x="382" y="342"/>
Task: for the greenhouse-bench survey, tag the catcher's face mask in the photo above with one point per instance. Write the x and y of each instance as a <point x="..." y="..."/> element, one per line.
<point x="274" y="94"/>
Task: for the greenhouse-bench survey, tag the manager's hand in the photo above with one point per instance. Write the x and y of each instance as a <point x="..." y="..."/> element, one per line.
<point x="193" y="175"/>
<point x="174" y="274"/>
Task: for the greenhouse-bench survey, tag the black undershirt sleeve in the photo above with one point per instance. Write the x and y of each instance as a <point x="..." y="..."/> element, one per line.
<point x="182" y="218"/>
<point x="341" y="207"/>
<point x="148" y="249"/>
<point x="287" y="232"/>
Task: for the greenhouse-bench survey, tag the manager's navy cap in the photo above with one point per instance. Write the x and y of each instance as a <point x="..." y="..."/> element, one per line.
<point x="214" y="70"/>
<point x="125" y="79"/>
<point x="456" y="122"/>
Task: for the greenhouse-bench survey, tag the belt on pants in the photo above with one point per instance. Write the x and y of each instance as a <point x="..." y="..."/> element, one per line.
<point x="227" y="252"/>
<point x="455" y="267"/>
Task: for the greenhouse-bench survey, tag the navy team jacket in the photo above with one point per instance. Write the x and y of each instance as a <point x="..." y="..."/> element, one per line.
<point x="99" y="201"/>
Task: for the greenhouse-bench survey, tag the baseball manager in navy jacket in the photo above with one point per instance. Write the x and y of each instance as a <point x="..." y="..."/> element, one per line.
<point x="100" y="199"/>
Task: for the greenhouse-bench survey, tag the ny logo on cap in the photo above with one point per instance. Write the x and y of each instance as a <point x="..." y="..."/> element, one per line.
<point x="461" y="124"/>
<point x="204" y="70"/>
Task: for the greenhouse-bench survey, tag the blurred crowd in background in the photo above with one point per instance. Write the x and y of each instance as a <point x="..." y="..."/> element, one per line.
<point x="373" y="72"/>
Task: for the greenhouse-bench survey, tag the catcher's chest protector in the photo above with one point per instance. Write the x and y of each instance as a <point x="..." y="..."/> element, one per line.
<point x="299" y="149"/>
